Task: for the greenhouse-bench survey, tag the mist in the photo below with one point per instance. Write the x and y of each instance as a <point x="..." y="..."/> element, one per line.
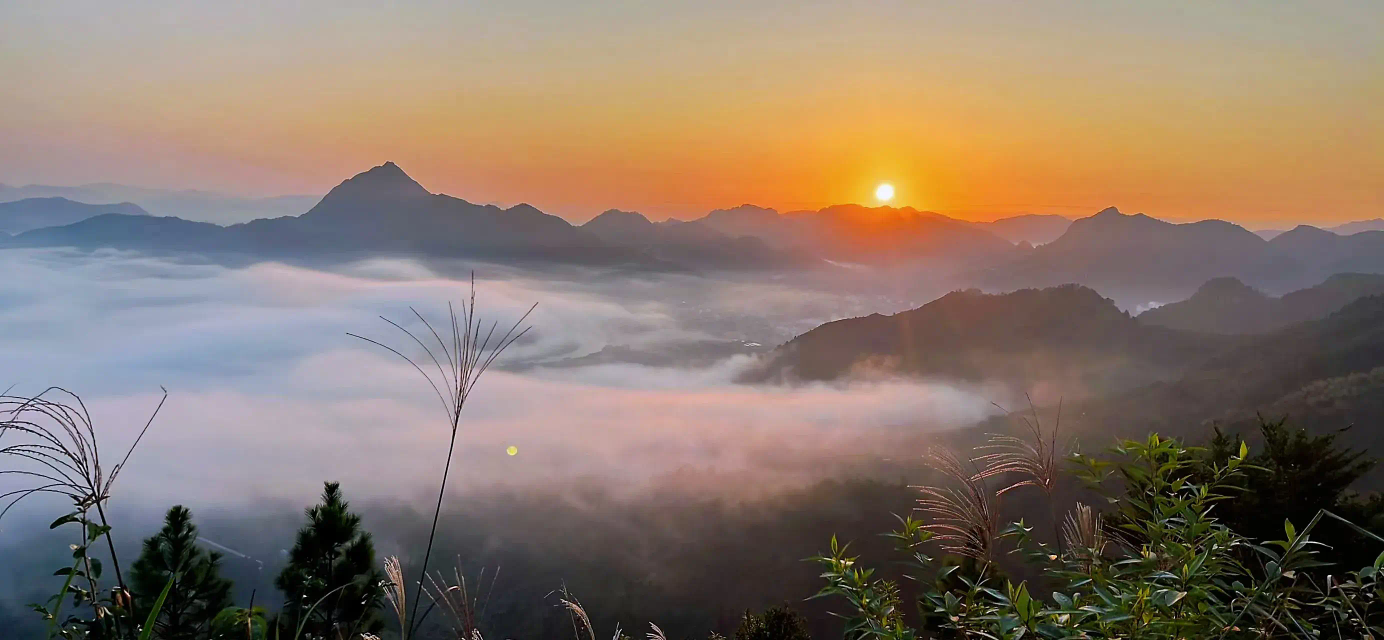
<point x="268" y="397"/>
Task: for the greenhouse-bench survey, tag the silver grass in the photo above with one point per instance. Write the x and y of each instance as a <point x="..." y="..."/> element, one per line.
<point x="964" y="513"/>
<point x="460" y="360"/>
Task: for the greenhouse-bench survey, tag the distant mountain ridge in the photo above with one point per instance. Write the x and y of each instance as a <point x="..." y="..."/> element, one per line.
<point x="1068" y="335"/>
<point x="202" y="206"/>
<point x="1351" y="228"/>
<point x="1032" y="228"/>
<point x="1119" y="376"/>
<point x="1226" y="305"/>
<point x="1137" y="257"/>
<point x="378" y="211"/>
<point x="1321" y="374"/>
<point x="902" y="251"/>
<point x="1324" y="252"/>
<point x="866" y="235"/>
<point x="692" y="243"/>
<point x="19" y="216"/>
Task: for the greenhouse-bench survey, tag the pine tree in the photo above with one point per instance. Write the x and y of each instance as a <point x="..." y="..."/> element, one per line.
<point x="198" y="593"/>
<point x="332" y="566"/>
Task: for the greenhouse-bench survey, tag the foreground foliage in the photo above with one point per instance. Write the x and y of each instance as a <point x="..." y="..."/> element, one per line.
<point x="1159" y="564"/>
<point x="332" y="587"/>
<point x="196" y="590"/>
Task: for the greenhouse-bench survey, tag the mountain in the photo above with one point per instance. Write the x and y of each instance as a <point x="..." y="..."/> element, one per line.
<point x="1139" y="258"/>
<point x="1324" y="252"/>
<point x="1226" y="305"/>
<point x="122" y="231"/>
<point x="32" y="213"/>
<point x="1032" y="228"/>
<point x="380" y="211"/>
<point x="866" y="235"/>
<point x="203" y="206"/>
<point x="1323" y="374"/>
<point x="1067" y="336"/>
<point x="1351" y="228"/>
<point x="691" y="243"/>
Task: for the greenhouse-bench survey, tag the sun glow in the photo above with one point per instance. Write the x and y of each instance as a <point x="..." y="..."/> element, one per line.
<point x="884" y="192"/>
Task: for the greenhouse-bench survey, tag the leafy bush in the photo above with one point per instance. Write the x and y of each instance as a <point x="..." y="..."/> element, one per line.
<point x="1158" y="565"/>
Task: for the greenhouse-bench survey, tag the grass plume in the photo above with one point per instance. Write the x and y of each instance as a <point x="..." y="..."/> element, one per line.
<point x="469" y="350"/>
<point x="965" y="516"/>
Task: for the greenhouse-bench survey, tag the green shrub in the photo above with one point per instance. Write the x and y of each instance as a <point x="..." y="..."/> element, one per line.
<point x="1158" y="565"/>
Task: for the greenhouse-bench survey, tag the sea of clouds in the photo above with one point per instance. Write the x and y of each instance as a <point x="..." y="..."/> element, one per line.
<point x="268" y="395"/>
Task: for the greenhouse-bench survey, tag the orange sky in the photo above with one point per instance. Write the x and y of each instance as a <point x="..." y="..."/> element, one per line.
<point x="1264" y="113"/>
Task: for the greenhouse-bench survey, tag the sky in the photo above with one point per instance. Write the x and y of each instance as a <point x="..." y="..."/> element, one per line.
<point x="1265" y="113"/>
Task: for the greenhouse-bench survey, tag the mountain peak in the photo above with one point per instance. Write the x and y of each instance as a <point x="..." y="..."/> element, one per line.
<point x="384" y="181"/>
<point x="746" y="209"/>
<point x="1108" y="212"/>
<point x="616" y="217"/>
<point x="1225" y="287"/>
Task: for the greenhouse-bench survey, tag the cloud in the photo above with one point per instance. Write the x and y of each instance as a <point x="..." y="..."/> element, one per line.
<point x="268" y="396"/>
<point x="624" y="474"/>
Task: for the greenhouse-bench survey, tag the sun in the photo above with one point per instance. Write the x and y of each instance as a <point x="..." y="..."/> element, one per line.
<point x="884" y="192"/>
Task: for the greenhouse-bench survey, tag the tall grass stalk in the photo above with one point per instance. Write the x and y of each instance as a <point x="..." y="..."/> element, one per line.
<point x="459" y="604"/>
<point x="53" y="439"/>
<point x="965" y="514"/>
<point x="460" y="361"/>
<point x="1036" y="460"/>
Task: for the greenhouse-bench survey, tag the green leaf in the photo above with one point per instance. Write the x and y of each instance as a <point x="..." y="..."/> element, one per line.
<point x="71" y="517"/>
<point x="148" y="630"/>
<point x="95" y="530"/>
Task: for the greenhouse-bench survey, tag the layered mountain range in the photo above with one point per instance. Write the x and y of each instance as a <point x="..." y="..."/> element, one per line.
<point x="1226" y="305"/>
<point x="1123" y="376"/>
<point x="19" y="216"/>
<point x="189" y="204"/>
<point x="1133" y="258"/>
<point x="1138" y="256"/>
<point x="1068" y="336"/>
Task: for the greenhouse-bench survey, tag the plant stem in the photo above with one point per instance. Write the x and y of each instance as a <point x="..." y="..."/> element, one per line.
<point x="115" y="562"/>
<point x="437" y="512"/>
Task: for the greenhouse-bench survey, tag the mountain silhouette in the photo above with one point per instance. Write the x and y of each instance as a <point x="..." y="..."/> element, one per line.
<point x="692" y="243"/>
<point x="1351" y="228"/>
<point x="1031" y="228"/>
<point x="19" y="216"/>
<point x="1068" y="335"/>
<point x="189" y="204"/>
<point x="1142" y="258"/>
<point x="1324" y="374"/>
<point x="866" y="235"/>
<point x="380" y="211"/>
<point x="1226" y="305"/>
<point x="1323" y="252"/>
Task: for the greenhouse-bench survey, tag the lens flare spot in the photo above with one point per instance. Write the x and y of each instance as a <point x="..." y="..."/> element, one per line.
<point x="512" y="450"/>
